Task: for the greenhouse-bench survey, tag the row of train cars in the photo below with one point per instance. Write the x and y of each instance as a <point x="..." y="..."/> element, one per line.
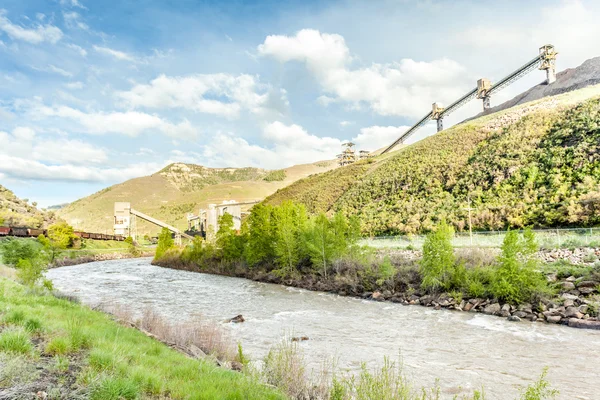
<point x="32" y="232"/>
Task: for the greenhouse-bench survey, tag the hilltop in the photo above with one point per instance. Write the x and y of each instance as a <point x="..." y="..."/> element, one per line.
<point x="17" y="212"/>
<point x="180" y="188"/>
<point x="534" y="164"/>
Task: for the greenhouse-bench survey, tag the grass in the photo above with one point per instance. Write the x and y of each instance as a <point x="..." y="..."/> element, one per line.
<point x="108" y="360"/>
<point x="15" y="341"/>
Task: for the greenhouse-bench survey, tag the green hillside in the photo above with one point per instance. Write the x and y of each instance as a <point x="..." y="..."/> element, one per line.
<point x="179" y="189"/>
<point x="17" y="212"/>
<point x="536" y="164"/>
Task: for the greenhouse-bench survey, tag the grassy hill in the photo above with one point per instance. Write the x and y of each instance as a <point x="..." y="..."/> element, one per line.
<point x="534" y="164"/>
<point x="17" y="212"/>
<point x="179" y="189"/>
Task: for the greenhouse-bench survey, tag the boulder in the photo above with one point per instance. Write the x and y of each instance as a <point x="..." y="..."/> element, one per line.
<point x="377" y="296"/>
<point x="505" y="311"/>
<point x="571" y="279"/>
<point x="587" y="290"/>
<point x="387" y="294"/>
<point x="588" y="284"/>
<point x="237" y="319"/>
<point x="514" y="318"/>
<point x="583" y="308"/>
<point x="521" y="314"/>
<point x="553" y="319"/>
<point x="468" y="306"/>
<point x="492" y="309"/>
<point x="567" y="285"/>
<point x="573" y="312"/>
<point x="584" y="324"/>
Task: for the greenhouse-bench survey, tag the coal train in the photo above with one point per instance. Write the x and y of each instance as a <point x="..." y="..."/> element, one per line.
<point x="33" y="232"/>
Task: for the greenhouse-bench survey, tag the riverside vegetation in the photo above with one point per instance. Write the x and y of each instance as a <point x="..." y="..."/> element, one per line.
<point x="283" y="244"/>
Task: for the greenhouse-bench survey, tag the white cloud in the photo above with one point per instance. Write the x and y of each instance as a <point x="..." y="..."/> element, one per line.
<point x="24" y="143"/>
<point x="72" y="3"/>
<point x="404" y="88"/>
<point x="197" y="92"/>
<point x="24" y="155"/>
<point x="129" y="123"/>
<point x="38" y="34"/>
<point x="79" y="49"/>
<point x="73" y="20"/>
<point x="346" y="123"/>
<point x="60" y="71"/>
<point x="74" y="85"/>
<point x="119" y="55"/>
<point x="24" y="168"/>
<point x="375" y="137"/>
<point x="289" y="145"/>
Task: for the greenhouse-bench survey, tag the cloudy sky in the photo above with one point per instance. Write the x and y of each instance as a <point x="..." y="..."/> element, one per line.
<point x="97" y="92"/>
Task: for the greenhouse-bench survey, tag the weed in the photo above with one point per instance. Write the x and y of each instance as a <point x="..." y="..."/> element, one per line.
<point x="101" y="360"/>
<point x="33" y="325"/>
<point x="15" y="317"/>
<point x="58" y="346"/>
<point x="114" y="389"/>
<point x="61" y="364"/>
<point x="540" y="389"/>
<point x="15" y="341"/>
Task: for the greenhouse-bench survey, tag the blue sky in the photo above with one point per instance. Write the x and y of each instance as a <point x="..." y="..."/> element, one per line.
<point x="97" y="92"/>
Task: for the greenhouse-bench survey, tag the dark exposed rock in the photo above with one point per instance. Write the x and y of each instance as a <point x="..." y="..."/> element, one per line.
<point x="584" y="324"/>
<point x="514" y="318"/>
<point x="237" y="319"/>
<point x="492" y="309"/>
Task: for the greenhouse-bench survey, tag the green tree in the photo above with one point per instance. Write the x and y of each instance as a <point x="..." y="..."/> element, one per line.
<point x="260" y="243"/>
<point x="228" y="240"/>
<point x="320" y="242"/>
<point x="290" y="221"/>
<point x="61" y="235"/>
<point x="165" y="242"/>
<point x="438" y="264"/>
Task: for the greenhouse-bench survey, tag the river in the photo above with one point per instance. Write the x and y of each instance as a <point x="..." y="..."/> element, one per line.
<point x="464" y="350"/>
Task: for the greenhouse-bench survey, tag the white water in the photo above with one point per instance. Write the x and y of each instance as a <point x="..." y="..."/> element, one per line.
<point x="464" y="350"/>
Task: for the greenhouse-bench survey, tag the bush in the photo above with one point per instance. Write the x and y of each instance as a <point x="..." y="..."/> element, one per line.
<point x="30" y="272"/>
<point x="516" y="280"/>
<point x="33" y="325"/>
<point x="14" y="250"/>
<point x="438" y="264"/>
<point x="165" y="242"/>
<point x="277" y="175"/>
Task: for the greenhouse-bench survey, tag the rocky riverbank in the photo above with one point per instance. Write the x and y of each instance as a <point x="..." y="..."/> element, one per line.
<point x="576" y="303"/>
<point x="86" y="258"/>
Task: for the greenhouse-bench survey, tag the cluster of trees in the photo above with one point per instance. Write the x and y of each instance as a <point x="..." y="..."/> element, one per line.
<point x="543" y="171"/>
<point x="31" y="258"/>
<point x="283" y="236"/>
<point x="514" y="278"/>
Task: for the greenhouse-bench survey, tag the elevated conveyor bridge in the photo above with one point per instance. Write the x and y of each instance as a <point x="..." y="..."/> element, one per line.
<point x="484" y="90"/>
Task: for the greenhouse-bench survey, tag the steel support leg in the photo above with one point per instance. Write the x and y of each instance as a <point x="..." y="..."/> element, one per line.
<point x="440" y="124"/>
<point x="486" y="103"/>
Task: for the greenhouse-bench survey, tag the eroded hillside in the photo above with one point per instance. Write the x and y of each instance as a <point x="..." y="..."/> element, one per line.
<point x="180" y="188"/>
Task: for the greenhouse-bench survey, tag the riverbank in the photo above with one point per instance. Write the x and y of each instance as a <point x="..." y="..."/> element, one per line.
<point x="55" y="348"/>
<point x="575" y="301"/>
<point x="87" y="257"/>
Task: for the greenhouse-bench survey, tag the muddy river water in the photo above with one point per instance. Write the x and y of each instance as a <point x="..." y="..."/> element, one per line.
<point x="464" y="351"/>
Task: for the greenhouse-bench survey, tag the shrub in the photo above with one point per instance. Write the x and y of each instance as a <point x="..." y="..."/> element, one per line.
<point x="438" y="264"/>
<point x="30" y="272"/>
<point x="15" y="341"/>
<point x="516" y="280"/>
<point x="165" y="242"/>
<point x="277" y="175"/>
<point x="385" y="270"/>
<point x="540" y="389"/>
<point x="14" y="250"/>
